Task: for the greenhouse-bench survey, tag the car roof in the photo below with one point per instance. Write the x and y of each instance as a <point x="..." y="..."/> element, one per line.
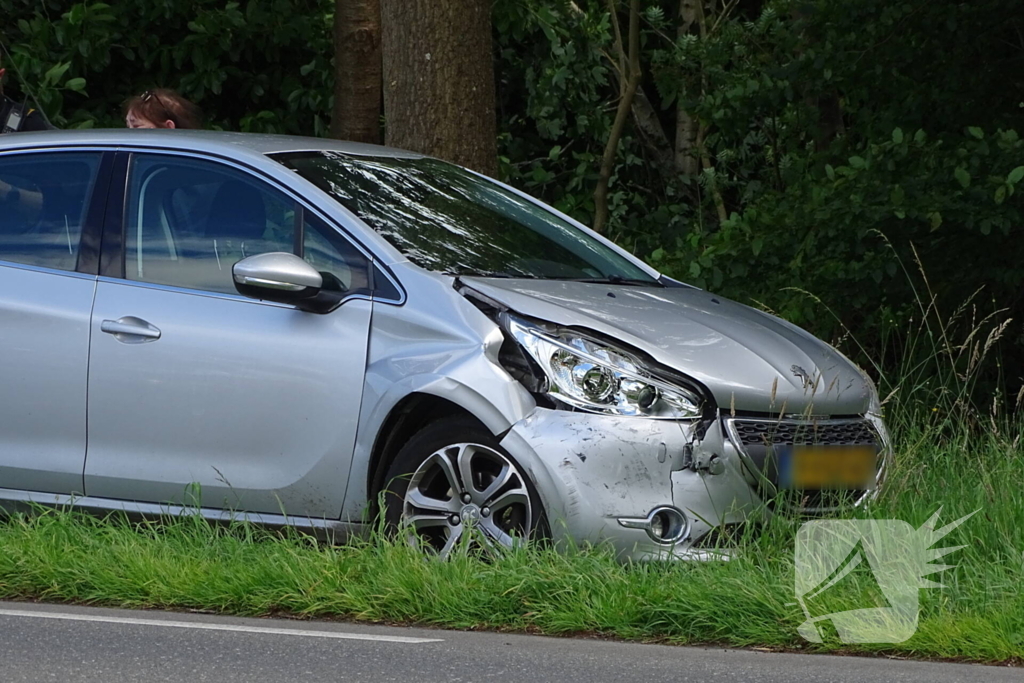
<point x="218" y="142"/>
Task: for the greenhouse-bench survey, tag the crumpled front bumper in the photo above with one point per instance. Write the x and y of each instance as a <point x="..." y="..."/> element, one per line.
<point x="592" y="471"/>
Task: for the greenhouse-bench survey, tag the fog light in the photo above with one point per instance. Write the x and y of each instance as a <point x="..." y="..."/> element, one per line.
<point x="664" y="524"/>
<point x="658" y="526"/>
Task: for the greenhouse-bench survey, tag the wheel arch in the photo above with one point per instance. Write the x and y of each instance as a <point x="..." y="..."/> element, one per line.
<point x="405" y="419"/>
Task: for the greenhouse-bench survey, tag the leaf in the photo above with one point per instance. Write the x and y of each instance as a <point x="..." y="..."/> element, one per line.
<point x="935" y="219"/>
<point x="976" y="132"/>
<point x="56" y="72"/>
<point x="920" y="136"/>
<point x="76" y="14"/>
<point x="1000" y="195"/>
<point x="963" y="176"/>
<point x="897" y="195"/>
<point x="757" y="245"/>
<point x="1015" y="175"/>
<point x="897" y="136"/>
<point x="830" y="172"/>
<point x="658" y="254"/>
<point x="76" y="84"/>
<point x="858" y="162"/>
<point x="694" y="269"/>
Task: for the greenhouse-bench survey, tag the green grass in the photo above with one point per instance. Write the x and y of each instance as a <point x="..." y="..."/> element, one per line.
<point x="187" y="563"/>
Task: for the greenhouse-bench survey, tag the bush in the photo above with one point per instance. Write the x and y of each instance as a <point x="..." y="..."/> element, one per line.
<point x="258" y="66"/>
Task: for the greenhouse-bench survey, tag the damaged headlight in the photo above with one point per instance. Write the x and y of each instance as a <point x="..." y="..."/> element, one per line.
<point x="594" y="376"/>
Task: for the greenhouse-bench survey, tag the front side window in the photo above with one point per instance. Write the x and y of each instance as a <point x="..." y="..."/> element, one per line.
<point x="44" y="200"/>
<point x="446" y="219"/>
<point x="187" y="222"/>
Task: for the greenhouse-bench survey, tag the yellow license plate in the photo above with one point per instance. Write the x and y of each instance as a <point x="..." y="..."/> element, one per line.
<point x="827" y="467"/>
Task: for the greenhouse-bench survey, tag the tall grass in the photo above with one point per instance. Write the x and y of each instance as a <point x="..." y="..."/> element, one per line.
<point x="749" y="601"/>
<point x="949" y="452"/>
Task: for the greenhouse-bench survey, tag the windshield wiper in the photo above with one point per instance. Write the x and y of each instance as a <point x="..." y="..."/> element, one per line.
<point x="611" y="280"/>
<point x="482" y="273"/>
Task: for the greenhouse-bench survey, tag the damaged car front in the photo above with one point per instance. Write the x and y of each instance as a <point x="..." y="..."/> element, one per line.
<point x="586" y="396"/>
<point x="667" y="413"/>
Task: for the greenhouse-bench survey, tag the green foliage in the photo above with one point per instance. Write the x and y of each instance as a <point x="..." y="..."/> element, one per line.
<point x="849" y="231"/>
<point x="258" y="66"/>
<point x="557" y="92"/>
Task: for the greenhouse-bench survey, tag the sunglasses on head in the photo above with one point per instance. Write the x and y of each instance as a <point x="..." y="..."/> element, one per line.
<point x="150" y="95"/>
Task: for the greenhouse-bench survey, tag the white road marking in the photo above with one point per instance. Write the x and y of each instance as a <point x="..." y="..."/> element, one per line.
<point x="201" y="626"/>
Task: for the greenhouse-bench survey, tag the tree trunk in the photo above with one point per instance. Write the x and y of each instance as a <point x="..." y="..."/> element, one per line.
<point x="629" y="83"/>
<point x="705" y="160"/>
<point x="652" y="134"/>
<point x="439" y="80"/>
<point x="645" y="116"/>
<point x="686" y="126"/>
<point x="357" y="71"/>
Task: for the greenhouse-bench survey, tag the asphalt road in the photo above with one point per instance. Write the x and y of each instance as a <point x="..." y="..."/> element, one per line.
<point x="73" y="644"/>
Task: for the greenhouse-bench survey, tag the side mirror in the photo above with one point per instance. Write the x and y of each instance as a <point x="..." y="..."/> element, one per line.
<point x="284" y="278"/>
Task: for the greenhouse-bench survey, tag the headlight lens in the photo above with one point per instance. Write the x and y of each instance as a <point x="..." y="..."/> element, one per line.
<point x="594" y="376"/>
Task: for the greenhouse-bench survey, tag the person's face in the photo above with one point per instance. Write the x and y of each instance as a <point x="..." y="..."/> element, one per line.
<point x="135" y="121"/>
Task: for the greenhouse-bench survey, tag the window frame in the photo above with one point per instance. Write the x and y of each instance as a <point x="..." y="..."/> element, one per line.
<point x="113" y="251"/>
<point x="87" y="258"/>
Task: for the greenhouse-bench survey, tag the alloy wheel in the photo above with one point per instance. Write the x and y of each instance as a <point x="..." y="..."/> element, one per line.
<point x="467" y="488"/>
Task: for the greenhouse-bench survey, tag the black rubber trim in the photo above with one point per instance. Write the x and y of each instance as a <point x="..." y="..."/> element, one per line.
<point x="92" y="229"/>
<point x="112" y="248"/>
<point x="299" y="231"/>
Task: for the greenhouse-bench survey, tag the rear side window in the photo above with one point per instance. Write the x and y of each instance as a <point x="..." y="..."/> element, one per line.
<point x="43" y="203"/>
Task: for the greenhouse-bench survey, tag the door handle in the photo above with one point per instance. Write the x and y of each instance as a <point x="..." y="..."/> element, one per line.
<point x="131" y="330"/>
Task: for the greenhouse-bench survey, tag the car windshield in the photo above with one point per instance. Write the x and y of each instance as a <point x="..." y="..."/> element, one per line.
<point x="446" y="219"/>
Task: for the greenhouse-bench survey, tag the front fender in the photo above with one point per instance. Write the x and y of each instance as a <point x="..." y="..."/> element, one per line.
<point x="444" y="347"/>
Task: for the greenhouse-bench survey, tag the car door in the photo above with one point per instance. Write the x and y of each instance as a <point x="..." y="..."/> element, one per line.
<point x="198" y="395"/>
<point x="51" y="203"/>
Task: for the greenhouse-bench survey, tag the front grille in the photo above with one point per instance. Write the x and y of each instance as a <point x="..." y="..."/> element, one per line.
<point x="757" y="439"/>
<point x="787" y="433"/>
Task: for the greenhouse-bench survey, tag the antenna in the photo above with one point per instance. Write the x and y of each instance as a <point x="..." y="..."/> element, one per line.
<point x="24" y="83"/>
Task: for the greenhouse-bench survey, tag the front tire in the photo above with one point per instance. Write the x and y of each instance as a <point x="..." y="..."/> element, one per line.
<point x="452" y="480"/>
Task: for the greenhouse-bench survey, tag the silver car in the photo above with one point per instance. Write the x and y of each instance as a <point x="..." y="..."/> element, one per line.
<point x="296" y="331"/>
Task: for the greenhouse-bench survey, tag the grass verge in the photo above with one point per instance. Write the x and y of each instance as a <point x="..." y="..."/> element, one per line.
<point x="187" y="563"/>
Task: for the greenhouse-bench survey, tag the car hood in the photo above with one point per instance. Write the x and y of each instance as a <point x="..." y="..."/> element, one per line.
<point x="749" y="360"/>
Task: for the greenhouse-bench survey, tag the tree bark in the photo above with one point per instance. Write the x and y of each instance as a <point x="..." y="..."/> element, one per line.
<point x="686" y="126"/>
<point x="652" y="133"/>
<point x="629" y="81"/>
<point x="357" y="71"/>
<point x="439" y="94"/>
<point x="705" y="160"/>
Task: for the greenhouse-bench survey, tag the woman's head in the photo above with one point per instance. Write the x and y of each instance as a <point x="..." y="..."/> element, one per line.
<point x="161" y="108"/>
